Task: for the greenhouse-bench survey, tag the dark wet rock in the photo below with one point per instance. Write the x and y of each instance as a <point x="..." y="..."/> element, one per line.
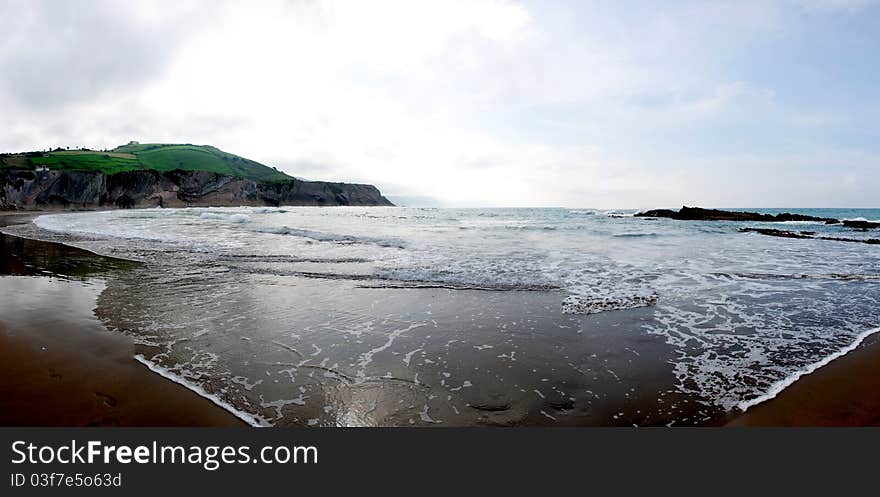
<point x="775" y="232"/>
<point x="870" y="241"/>
<point x="24" y="190"/>
<point x="802" y="235"/>
<point x="861" y="225"/>
<point x="700" y="214"/>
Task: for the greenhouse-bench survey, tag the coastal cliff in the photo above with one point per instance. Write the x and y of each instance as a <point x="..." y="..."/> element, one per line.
<point x="22" y="189"/>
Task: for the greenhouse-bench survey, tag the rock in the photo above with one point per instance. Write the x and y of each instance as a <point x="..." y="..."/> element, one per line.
<point x="22" y="189"/>
<point x="700" y="214"/>
<point x="802" y="235"/>
<point x="861" y="225"/>
<point x="775" y="232"/>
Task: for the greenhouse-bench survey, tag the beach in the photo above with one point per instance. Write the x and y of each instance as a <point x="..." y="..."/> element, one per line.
<point x="60" y="366"/>
<point x="96" y="340"/>
<point x="845" y="392"/>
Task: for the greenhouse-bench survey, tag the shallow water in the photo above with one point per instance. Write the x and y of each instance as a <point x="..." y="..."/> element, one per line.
<point x="397" y="316"/>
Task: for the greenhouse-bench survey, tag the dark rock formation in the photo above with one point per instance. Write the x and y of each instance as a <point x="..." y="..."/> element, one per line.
<point x="774" y="232"/>
<point x="861" y="225"/>
<point x="22" y="189"/>
<point x="699" y="214"/>
<point x="806" y="235"/>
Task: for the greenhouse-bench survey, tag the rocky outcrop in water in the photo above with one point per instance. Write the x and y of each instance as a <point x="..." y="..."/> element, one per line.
<point x="861" y="225"/>
<point x="807" y="235"/>
<point x="700" y="214"/>
<point x="25" y="190"/>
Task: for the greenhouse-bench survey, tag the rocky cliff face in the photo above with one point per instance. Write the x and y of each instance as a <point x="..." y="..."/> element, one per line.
<point x="23" y="189"/>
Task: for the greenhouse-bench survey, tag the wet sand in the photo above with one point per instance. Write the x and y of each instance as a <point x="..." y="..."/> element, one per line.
<point x="60" y="366"/>
<point x="845" y="392"/>
<point x="75" y="376"/>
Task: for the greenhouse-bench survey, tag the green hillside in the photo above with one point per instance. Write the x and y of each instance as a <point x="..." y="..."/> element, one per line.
<point x="155" y="156"/>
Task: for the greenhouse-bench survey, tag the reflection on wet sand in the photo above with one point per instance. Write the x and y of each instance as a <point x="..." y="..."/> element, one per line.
<point x="302" y="351"/>
<point x="61" y="367"/>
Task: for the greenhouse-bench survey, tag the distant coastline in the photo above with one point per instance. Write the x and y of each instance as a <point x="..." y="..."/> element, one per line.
<point x="161" y="175"/>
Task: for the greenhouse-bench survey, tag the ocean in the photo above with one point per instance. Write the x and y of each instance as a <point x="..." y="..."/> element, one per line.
<point x="300" y="316"/>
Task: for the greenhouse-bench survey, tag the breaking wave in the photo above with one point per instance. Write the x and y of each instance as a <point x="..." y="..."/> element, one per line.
<point x="333" y="237"/>
<point x="232" y="218"/>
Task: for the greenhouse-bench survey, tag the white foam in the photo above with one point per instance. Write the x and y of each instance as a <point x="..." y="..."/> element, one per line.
<point x="781" y="385"/>
<point x="333" y="237"/>
<point x="862" y="219"/>
<point x="248" y="418"/>
<point x="232" y="218"/>
<point x="96" y="224"/>
<point x="579" y="304"/>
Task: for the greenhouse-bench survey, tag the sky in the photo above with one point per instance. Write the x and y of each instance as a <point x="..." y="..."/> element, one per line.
<point x="614" y="104"/>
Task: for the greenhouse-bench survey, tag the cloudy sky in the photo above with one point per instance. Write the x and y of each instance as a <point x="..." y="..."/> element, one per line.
<point x="551" y="103"/>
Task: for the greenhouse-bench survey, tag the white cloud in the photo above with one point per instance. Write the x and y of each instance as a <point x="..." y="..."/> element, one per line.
<point x="479" y="102"/>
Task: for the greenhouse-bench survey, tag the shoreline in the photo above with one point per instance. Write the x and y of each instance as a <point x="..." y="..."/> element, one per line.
<point x="780" y="386"/>
<point x="65" y="368"/>
<point x="841" y="390"/>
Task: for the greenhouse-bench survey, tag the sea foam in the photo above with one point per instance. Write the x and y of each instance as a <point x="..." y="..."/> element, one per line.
<point x="248" y="418"/>
<point x="232" y="218"/>
<point x="789" y="380"/>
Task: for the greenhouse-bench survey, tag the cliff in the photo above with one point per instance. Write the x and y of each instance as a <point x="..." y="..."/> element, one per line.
<point x="35" y="189"/>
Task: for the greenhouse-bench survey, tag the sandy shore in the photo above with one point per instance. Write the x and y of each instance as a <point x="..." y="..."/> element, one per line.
<point x="60" y="366"/>
<point x="845" y="392"/>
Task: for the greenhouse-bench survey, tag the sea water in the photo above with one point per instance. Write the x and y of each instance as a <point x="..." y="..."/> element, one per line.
<point x="397" y="316"/>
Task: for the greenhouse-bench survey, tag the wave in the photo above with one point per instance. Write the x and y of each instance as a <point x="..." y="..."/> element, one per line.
<point x="603" y="212"/>
<point x="232" y="218"/>
<point x="203" y="212"/>
<point x="384" y="281"/>
<point x="786" y="382"/>
<point x="270" y="258"/>
<point x="775" y="276"/>
<point x="497" y="287"/>
<point x="525" y="227"/>
<point x="333" y="237"/>
<point x="248" y="418"/>
<point x="267" y="210"/>
<point x="636" y="235"/>
<point x="55" y="223"/>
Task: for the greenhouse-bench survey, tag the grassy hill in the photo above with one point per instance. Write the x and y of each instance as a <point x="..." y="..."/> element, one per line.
<point x="155" y="156"/>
